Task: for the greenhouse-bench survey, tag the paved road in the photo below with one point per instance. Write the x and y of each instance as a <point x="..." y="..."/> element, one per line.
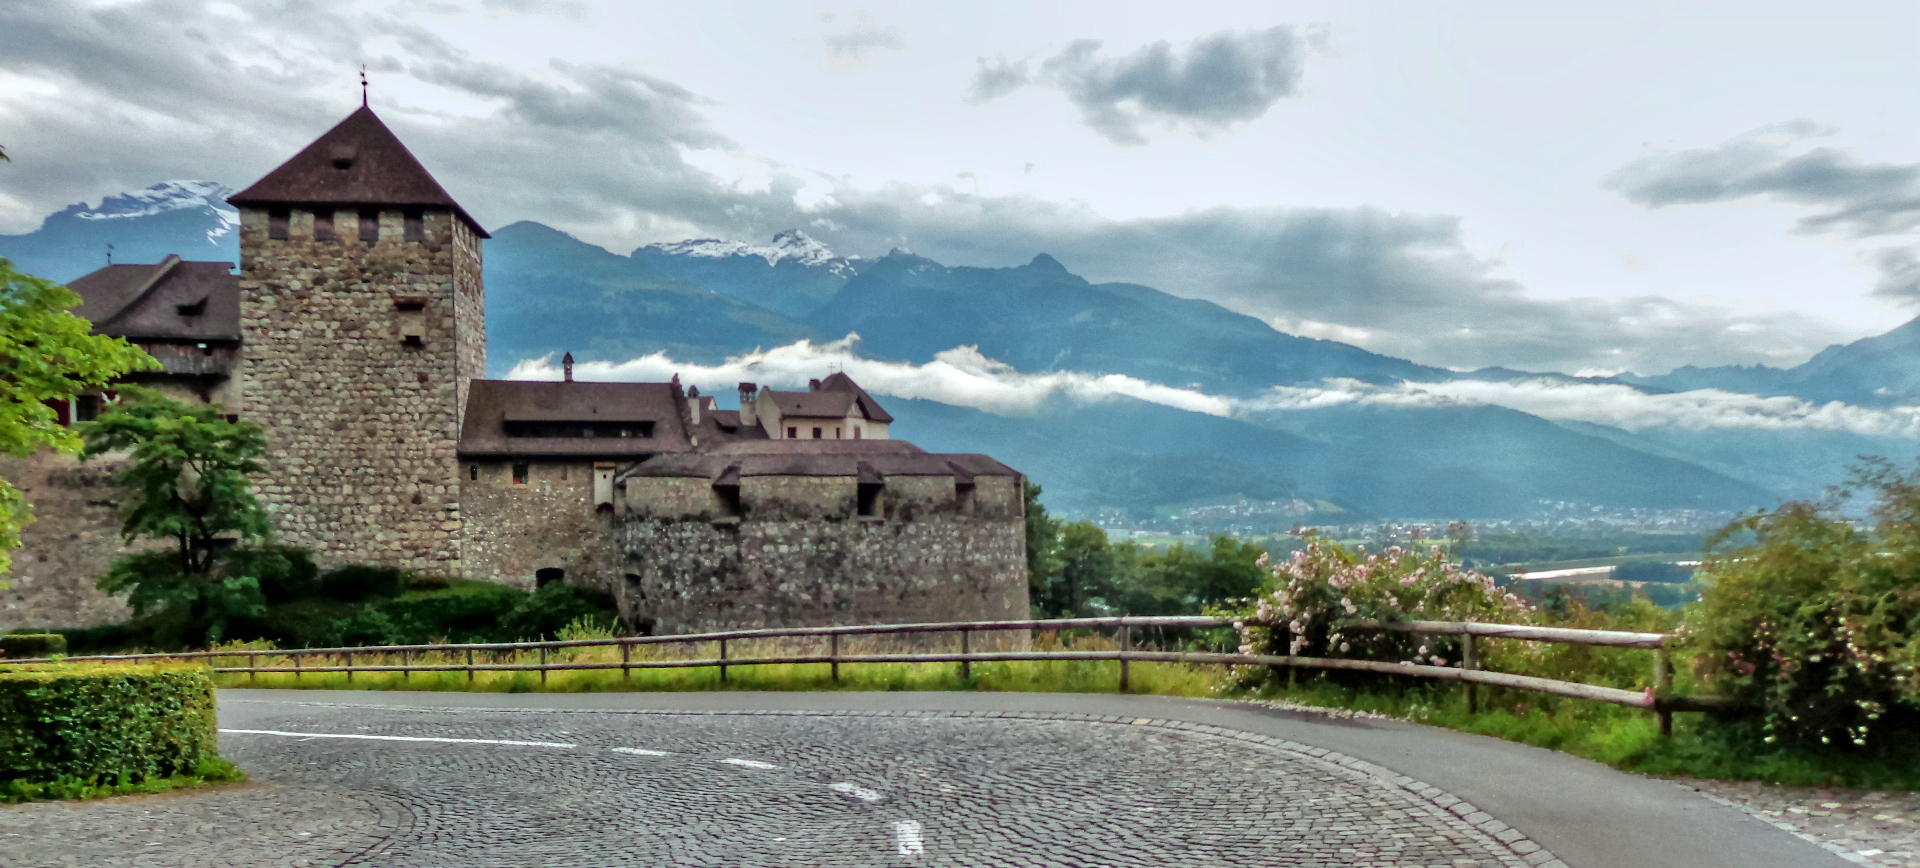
<point x="880" y="779"/>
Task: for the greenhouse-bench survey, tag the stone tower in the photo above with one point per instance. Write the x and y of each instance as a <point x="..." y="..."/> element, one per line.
<point x="362" y="320"/>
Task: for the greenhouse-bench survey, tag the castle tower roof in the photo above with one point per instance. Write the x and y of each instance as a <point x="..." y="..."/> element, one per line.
<point x="358" y="162"/>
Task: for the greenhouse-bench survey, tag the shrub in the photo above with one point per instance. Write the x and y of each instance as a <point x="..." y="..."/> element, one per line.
<point x="430" y="583"/>
<point x="355" y="583"/>
<point x="1815" y="619"/>
<point x="1300" y="608"/>
<point x="28" y="645"/>
<point x="465" y="617"/>
<point x="118" y="724"/>
<point x="549" y="610"/>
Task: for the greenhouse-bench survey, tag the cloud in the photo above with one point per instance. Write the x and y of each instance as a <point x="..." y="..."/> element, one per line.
<point x="867" y="35"/>
<point x="1613" y="405"/>
<point x="962" y="376"/>
<point x="1849" y="197"/>
<point x="161" y="89"/>
<point x="1204" y="86"/>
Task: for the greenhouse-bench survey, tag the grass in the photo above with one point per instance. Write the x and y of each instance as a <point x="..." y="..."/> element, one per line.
<point x="1062" y="676"/>
<point x="1624" y="738"/>
<point x="206" y="774"/>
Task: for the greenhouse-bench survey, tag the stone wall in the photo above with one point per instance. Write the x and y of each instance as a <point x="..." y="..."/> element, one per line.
<point x="513" y="530"/>
<point x="74" y="537"/>
<point x="798" y="554"/>
<point x="690" y="576"/>
<point x="361" y="465"/>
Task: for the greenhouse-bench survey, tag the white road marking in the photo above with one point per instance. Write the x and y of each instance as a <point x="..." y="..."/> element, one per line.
<point x="856" y="791"/>
<point x="638" y="750"/>
<point x="752" y="764"/>
<point x="558" y="744"/>
<point x="907" y="832"/>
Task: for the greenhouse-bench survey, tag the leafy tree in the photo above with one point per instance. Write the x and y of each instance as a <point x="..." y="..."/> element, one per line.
<point x="46" y="354"/>
<point x="188" y="479"/>
<point x="1043" y="549"/>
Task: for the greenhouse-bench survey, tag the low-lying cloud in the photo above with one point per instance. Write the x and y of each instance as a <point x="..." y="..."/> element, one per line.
<point x="1204" y="86"/>
<point x="962" y="376"/>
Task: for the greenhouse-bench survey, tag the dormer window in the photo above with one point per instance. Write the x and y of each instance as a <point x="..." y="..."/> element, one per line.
<point x="342" y="157"/>
<point x="192" y="309"/>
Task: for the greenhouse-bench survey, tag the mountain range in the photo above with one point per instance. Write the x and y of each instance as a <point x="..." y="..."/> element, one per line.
<point x="1125" y="446"/>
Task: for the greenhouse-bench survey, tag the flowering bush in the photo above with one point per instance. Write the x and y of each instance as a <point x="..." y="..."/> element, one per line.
<point x="1300" y="609"/>
<point x="1814" y="619"/>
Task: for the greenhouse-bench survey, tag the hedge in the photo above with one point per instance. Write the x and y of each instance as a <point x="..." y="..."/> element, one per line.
<point x="120" y="723"/>
<point x="30" y="645"/>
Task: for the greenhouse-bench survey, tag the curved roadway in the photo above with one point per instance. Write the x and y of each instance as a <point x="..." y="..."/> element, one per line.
<point x="803" y="779"/>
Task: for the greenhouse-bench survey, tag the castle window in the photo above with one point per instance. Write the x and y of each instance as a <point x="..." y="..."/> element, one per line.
<point x="520" y="474"/>
<point x="836" y="433"/>
<point x="548" y="575"/>
<point x="816" y="433"/>
<point x="792" y="432"/>
<point x="869" y="498"/>
<point x="856" y="432"/>
<point x="411" y="320"/>
<point x="473" y="473"/>
<point x="323" y="226"/>
<point x="277" y="223"/>
<point x="195" y="309"/>
<point x="86" y="408"/>
<point x="369" y="227"/>
<point x="571" y="429"/>
<point x="416" y="226"/>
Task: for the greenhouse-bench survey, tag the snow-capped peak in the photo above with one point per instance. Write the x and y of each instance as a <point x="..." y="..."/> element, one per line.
<point x="168" y="196"/>
<point x="792" y="245"/>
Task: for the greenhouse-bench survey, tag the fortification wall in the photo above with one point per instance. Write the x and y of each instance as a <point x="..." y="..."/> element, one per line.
<point x="361" y="427"/>
<point x="512" y="531"/>
<point x="74" y="537"/>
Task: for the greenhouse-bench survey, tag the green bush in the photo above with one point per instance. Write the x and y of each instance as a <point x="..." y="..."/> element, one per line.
<point x="1815" y="619"/>
<point x="355" y="583"/>
<point x="104" y="724"/>
<point x="549" y="610"/>
<point x="28" y="645"/>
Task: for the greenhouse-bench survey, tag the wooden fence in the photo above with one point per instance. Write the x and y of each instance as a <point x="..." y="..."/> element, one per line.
<point x="1468" y="673"/>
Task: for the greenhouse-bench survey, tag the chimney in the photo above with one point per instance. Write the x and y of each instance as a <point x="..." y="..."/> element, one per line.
<point x="747" y="416"/>
<point x="566" y="366"/>
<point x="693" y="403"/>
<point x="813" y="385"/>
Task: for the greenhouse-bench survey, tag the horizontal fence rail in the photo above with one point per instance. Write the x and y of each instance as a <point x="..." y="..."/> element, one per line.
<point x="1468" y="672"/>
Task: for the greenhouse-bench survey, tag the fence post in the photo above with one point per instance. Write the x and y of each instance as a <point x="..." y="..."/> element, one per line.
<point x="833" y="655"/>
<point x="469" y="665"/>
<point x="723" y="661"/>
<point x="966" y="666"/>
<point x="297" y="657"/>
<point x="406" y="660"/>
<point x="1662" y="681"/>
<point x="626" y="661"/>
<point x="253" y="669"/>
<point x="1126" y="645"/>
<point x="1470" y="659"/>
<point x="543" y="665"/>
<point x="349" y="658"/>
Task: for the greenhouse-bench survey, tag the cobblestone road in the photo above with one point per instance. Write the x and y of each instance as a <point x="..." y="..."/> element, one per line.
<point x="474" y="787"/>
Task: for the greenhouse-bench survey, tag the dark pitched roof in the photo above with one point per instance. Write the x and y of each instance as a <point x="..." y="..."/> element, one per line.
<point x="840" y="382"/>
<point x="170" y="300"/>
<point x="855" y="458"/>
<point x="832" y="398"/>
<point x="493" y="403"/>
<point x="358" y="162"/>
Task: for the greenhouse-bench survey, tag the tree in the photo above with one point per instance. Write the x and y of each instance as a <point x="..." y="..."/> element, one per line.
<point x="189" y="483"/>
<point x="46" y="354"/>
<point x="1043" y="548"/>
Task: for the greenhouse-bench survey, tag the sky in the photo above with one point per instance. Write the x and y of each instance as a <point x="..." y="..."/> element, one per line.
<point x="1580" y="188"/>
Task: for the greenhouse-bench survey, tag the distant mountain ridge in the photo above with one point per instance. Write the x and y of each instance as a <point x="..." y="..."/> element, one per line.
<point x="704" y="300"/>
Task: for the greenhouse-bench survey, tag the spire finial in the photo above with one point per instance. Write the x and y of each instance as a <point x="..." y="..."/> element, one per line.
<point x="109" y="253"/>
<point x="566" y="366"/>
<point x="363" y="85"/>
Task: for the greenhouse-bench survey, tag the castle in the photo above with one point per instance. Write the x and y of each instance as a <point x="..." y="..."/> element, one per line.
<point x="354" y="334"/>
